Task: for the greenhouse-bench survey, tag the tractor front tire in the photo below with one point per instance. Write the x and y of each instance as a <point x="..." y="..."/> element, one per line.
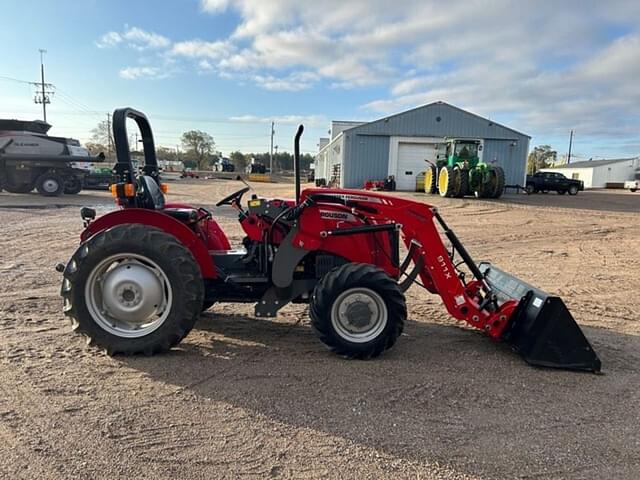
<point x="50" y="184"/>
<point x="19" y="188"/>
<point x="133" y="289"/>
<point x="447" y="182"/>
<point x="358" y="311"/>
<point x="431" y="179"/>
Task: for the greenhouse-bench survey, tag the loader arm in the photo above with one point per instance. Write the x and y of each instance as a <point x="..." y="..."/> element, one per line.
<point x="467" y="301"/>
<point x="536" y="324"/>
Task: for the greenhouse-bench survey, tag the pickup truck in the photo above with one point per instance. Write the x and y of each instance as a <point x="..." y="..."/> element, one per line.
<point x="632" y="185"/>
<point x="548" y="181"/>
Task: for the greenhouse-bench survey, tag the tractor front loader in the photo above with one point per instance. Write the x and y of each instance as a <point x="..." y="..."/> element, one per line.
<point x="462" y="172"/>
<point x="142" y="274"/>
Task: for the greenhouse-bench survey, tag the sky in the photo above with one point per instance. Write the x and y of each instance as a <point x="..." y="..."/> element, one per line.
<point x="231" y="67"/>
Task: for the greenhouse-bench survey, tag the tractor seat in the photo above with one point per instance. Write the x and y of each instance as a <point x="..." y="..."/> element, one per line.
<point x="150" y="195"/>
<point x="185" y="215"/>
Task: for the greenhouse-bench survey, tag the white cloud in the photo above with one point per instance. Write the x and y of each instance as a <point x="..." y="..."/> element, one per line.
<point x="548" y="66"/>
<point x="201" y="49"/>
<point x="135" y="38"/>
<point x="307" y="120"/>
<point x="214" y="5"/>
<point x="109" y="39"/>
<point x="133" y="73"/>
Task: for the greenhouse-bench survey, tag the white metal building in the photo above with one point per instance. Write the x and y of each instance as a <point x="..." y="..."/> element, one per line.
<point x="599" y="173"/>
<point x="400" y="144"/>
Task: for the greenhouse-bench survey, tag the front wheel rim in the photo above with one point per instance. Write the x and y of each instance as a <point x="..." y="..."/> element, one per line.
<point x="359" y="315"/>
<point x="443" y="181"/>
<point x="128" y="295"/>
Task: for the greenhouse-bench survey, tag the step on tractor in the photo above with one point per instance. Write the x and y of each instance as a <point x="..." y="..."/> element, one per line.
<point x="462" y="172"/>
<point x="144" y="273"/>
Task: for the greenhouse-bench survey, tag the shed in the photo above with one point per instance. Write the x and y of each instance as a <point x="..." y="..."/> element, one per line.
<point x="401" y="145"/>
<point x="599" y="173"/>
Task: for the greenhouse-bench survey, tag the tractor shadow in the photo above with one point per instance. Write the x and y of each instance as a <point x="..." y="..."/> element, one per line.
<point x="443" y="394"/>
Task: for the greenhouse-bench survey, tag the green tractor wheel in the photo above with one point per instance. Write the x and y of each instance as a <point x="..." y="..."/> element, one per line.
<point x="462" y="182"/>
<point x="498" y="182"/>
<point x="447" y="182"/>
<point x="431" y="179"/>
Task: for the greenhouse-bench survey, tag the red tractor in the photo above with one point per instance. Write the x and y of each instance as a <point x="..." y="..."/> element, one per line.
<point x="143" y="274"/>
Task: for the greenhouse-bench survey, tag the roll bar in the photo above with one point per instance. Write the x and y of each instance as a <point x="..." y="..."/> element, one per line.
<point x="124" y="167"/>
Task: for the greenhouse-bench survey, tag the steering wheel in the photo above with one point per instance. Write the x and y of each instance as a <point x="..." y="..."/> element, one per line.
<point x="237" y="196"/>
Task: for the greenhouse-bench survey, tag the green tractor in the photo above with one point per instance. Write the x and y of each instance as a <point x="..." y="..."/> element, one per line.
<point x="462" y="172"/>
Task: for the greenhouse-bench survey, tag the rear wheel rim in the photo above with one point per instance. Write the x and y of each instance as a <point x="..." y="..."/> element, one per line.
<point x="428" y="180"/>
<point x="50" y="185"/>
<point x="128" y="295"/>
<point x="359" y="315"/>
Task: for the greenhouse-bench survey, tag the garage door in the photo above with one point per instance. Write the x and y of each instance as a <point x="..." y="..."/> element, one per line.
<point x="411" y="162"/>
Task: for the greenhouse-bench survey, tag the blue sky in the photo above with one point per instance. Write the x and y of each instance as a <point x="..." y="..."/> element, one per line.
<point x="230" y="67"/>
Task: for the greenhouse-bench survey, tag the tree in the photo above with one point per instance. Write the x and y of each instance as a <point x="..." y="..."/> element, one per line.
<point x="542" y="156"/>
<point x="164" y="153"/>
<point x="239" y="159"/>
<point x="199" y="146"/>
<point x="102" y="135"/>
<point x="95" y="148"/>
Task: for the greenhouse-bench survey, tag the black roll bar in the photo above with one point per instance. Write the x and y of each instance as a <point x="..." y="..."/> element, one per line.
<point x="124" y="166"/>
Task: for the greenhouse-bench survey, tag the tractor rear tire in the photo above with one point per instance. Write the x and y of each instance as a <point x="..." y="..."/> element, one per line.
<point x="72" y="185"/>
<point x="133" y="289"/>
<point x="431" y="179"/>
<point x="462" y="182"/>
<point x="358" y="311"/>
<point x="50" y="184"/>
<point x="498" y="183"/>
<point x="447" y="182"/>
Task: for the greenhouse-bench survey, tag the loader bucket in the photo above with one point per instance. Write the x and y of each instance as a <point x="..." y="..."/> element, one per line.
<point x="541" y="328"/>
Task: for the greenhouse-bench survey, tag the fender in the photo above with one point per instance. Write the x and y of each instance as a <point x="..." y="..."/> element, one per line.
<point x="159" y="220"/>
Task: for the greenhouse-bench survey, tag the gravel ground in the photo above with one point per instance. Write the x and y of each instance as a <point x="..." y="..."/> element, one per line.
<point x="252" y="398"/>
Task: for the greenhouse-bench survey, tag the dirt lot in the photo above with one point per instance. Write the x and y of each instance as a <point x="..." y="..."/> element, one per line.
<point x="253" y="398"/>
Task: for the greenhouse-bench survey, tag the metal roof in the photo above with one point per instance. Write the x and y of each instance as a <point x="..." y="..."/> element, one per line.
<point x="591" y="163"/>
<point x="421" y="107"/>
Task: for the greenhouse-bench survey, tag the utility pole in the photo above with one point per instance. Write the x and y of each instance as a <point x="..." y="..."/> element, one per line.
<point x="570" y="144"/>
<point x="271" y="151"/>
<point x="44" y="98"/>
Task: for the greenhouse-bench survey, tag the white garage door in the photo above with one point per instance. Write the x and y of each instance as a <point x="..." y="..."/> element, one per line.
<point x="411" y="162"/>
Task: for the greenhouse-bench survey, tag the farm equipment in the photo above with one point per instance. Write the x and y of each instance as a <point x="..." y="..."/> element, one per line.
<point x="29" y="158"/>
<point x="462" y="172"/>
<point x="143" y="274"/>
<point x="225" y="165"/>
<point x="386" y="185"/>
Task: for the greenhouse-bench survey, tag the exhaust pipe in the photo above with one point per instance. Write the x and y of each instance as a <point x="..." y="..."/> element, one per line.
<point x="541" y="329"/>
<point x="296" y="161"/>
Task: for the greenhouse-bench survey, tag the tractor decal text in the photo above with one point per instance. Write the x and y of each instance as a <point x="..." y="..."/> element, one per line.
<point x="333" y="215"/>
<point x="445" y="269"/>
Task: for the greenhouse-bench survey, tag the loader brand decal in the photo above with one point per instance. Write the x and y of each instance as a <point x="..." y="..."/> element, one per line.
<point x="357" y="198"/>
<point x="445" y="269"/>
<point x="333" y="215"/>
